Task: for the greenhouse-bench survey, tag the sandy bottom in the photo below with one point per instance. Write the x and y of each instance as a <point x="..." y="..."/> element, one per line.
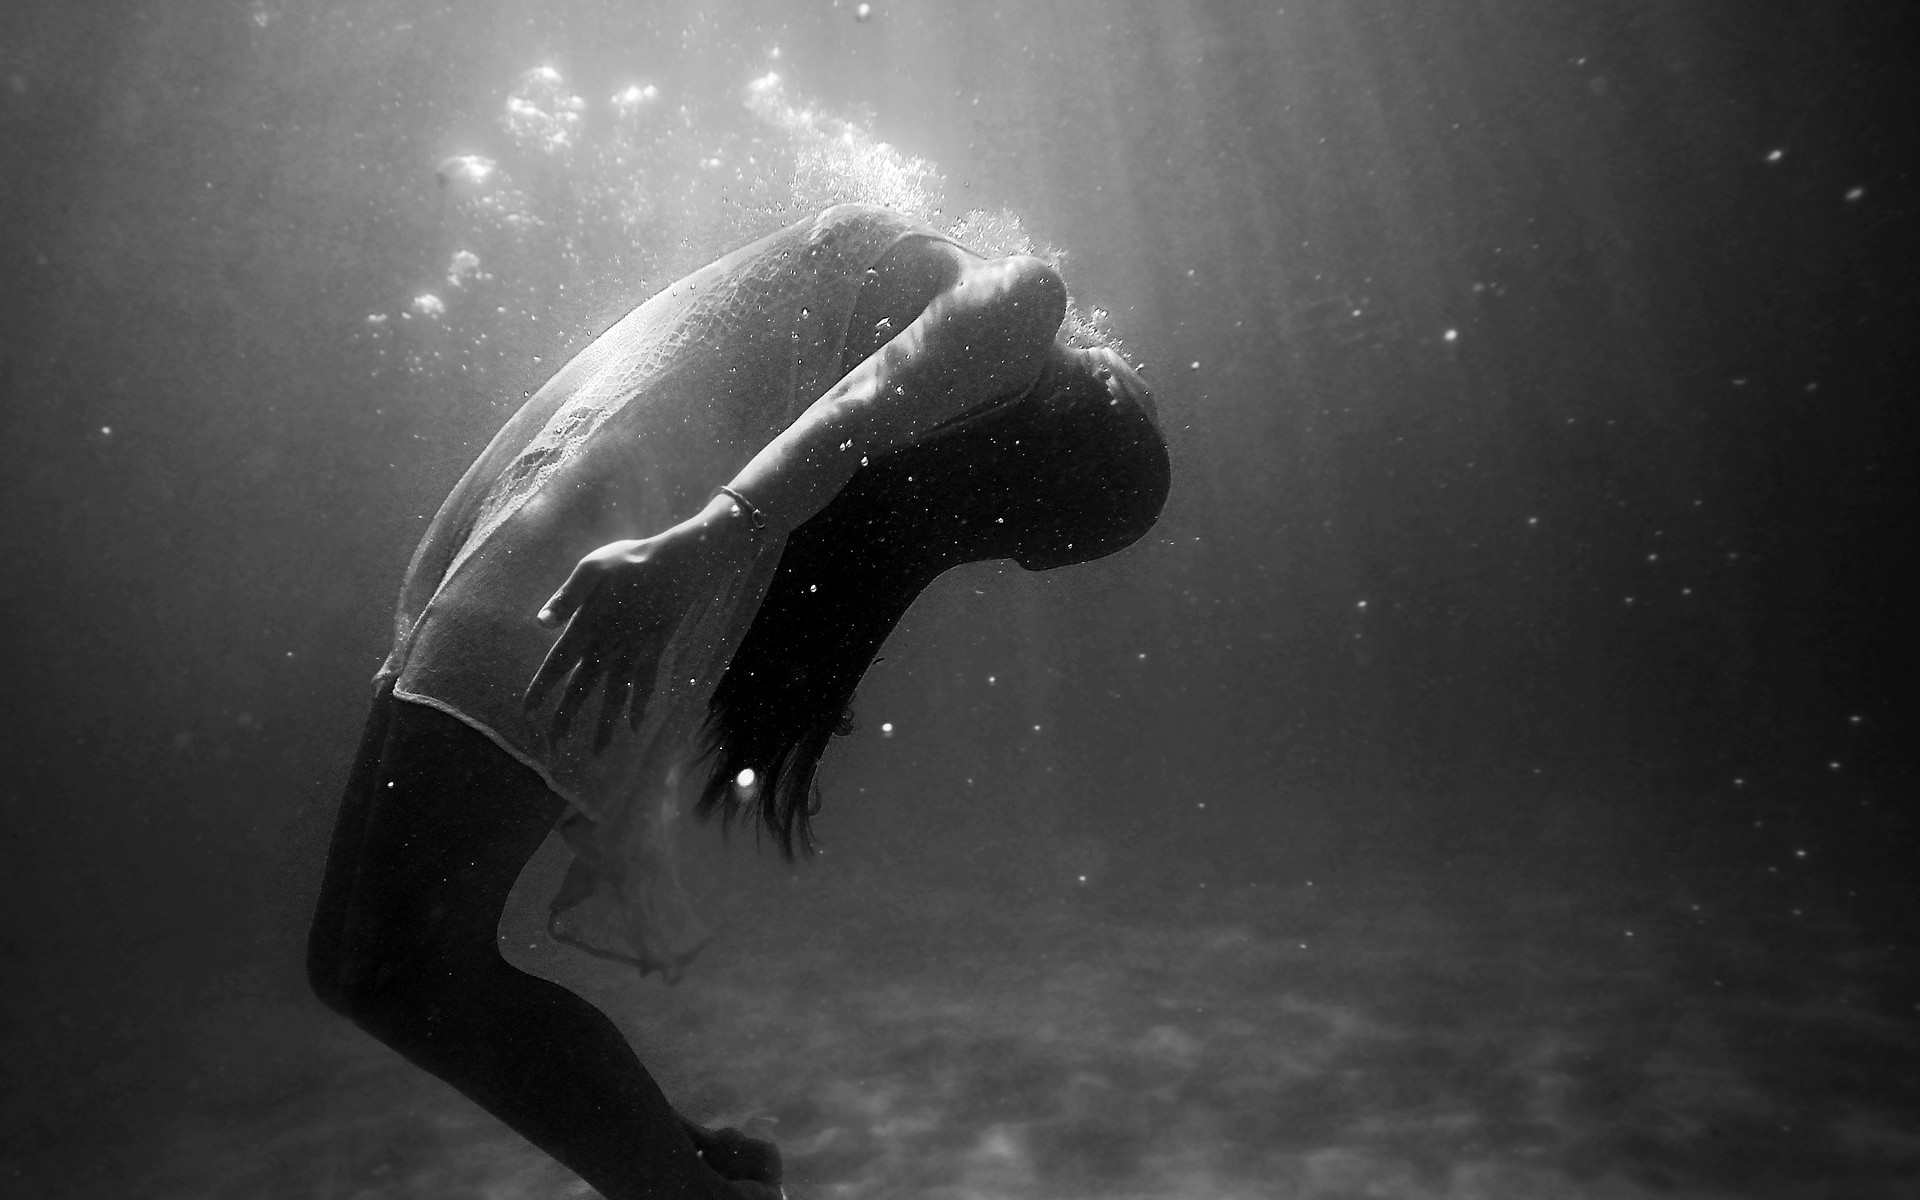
<point x="1253" y="1044"/>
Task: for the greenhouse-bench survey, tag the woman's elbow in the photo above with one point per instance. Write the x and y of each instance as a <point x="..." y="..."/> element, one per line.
<point x="1035" y="299"/>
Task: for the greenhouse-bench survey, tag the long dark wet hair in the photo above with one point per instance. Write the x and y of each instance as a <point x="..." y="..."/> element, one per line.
<point x="1073" y="472"/>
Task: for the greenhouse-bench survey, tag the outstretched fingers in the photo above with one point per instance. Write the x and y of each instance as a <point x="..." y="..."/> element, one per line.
<point x="581" y="583"/>
<point x="567" y="653"/>
<point x="620" y="692"/>
<point x="580" y="685"/>
<point x="630" y="685"/>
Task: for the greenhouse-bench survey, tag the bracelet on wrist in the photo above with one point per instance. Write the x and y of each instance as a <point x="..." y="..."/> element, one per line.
<point x="756" y="520"/>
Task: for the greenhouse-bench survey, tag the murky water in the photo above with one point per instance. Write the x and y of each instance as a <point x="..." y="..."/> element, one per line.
<point x="1422" y="1042"/>
<point x="1536" y="582"/>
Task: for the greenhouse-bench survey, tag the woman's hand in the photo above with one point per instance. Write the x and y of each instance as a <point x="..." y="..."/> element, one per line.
<point x="620" y="607"/>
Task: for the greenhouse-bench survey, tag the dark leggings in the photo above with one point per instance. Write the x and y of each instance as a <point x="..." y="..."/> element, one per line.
<point x="435" y="827"/>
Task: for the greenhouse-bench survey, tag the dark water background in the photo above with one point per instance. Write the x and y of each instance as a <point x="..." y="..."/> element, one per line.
<point x="1492" y="779"/>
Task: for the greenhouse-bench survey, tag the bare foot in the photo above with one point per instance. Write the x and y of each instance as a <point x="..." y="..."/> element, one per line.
<point x="736" y="1157"/>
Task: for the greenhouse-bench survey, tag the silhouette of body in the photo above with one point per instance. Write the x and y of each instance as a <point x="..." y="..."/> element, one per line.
<point x="901" y="406"/>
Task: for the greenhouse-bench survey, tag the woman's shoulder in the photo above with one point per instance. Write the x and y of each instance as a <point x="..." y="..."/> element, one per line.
<point x="861" y="233"/>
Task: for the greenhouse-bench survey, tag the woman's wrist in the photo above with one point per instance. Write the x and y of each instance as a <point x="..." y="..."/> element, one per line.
<point x="732" y="508"/>
<point x="743" y="507"/>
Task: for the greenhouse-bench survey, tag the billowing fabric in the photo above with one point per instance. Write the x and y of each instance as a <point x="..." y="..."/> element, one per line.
<point x="630" y="438"/>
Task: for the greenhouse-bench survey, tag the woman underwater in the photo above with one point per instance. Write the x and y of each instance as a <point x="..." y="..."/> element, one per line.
<point x="847" y="408"/>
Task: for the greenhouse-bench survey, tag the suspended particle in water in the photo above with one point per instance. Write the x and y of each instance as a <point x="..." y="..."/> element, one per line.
<point x="631" y="99"/>
<point x="863" y="12"/>
<point x="1775" y="155"/>
<point x="1451" y="335"/>
<point x="466" y="174"/>
<point x="744" y="780"/>
<point x="429" y="305"/>
<point x="1856" y="194"/>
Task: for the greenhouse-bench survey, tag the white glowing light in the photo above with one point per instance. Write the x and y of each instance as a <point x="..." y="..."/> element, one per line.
<point x="744" y="779"/>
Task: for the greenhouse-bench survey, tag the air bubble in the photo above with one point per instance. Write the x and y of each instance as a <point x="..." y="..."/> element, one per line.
<point x="468" y="174"/>
<point x="631" y="99"/>
<point x="463" y="268"/>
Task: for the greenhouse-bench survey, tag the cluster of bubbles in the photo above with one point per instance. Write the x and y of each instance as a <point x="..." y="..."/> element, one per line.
<point x="589" y="207"/>
<point x="543" y="113"/>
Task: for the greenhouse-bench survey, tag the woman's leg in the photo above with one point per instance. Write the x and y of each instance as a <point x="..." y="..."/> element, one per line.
<point x="435" y="828"/>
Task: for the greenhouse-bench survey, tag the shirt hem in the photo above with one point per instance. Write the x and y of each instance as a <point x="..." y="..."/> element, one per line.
<point x="520" y="756"/>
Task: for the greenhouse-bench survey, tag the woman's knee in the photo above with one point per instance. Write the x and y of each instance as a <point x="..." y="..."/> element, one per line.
<point x="386" y="989"/>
